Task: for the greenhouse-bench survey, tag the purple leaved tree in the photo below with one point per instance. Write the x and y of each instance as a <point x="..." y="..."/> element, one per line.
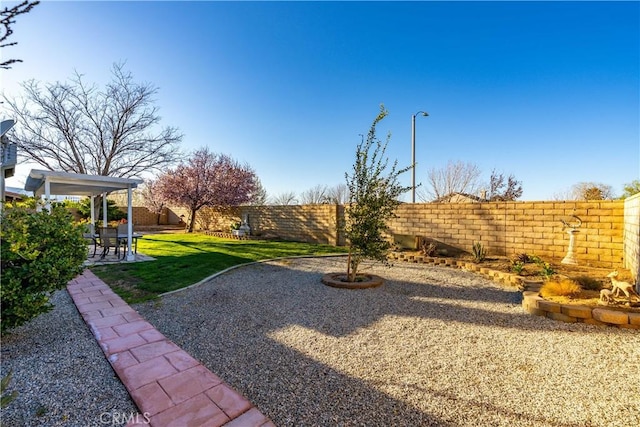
<point x="208" y="180"/>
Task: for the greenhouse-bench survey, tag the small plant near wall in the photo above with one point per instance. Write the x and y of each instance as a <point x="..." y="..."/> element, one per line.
<point x="546" y="269"/>
<point x="479" y="252"/>
<point x="517" y="266"/>
<point x="428" y="248"/>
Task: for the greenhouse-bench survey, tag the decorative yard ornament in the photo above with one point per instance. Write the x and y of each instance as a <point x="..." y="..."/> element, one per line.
<point x="618" y="286"/>
<point x="572" y="229"/>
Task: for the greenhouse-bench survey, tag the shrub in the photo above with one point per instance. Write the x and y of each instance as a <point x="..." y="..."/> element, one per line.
<point x="84" y="209"/>
<point x="546" y="269"/>
<point x="41" y="252"/>
<point x="517" y="266"/>
<point x="588" y="283"/>
<point x="479" y="253"/>
<point x="561" y="287"/>
<point x="522" y="258"/>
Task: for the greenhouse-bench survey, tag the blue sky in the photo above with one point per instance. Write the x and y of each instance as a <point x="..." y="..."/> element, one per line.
<point x="547" y="91"/>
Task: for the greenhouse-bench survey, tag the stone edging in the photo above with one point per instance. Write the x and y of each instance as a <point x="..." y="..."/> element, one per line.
<point x="333" y="280"/>
<point x="534" y="304"/>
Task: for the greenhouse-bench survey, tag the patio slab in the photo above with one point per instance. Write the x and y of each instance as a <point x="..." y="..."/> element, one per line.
<point x="167" y="384"/>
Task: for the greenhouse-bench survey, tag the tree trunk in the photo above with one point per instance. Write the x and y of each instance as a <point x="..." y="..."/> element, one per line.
<point x="192" y="220"/>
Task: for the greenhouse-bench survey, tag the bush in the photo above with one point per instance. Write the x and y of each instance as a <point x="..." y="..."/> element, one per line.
<point x="113" y="211"/>
<point x="41" y="252"/>
<point x="517" y="266"/>
<point x="588" y="283"/>
<point x="562" y="287"/>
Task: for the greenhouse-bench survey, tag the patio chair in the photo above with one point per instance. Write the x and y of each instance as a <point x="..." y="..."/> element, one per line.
<point x="90" y="237"/>
<point x="107" y="239"/>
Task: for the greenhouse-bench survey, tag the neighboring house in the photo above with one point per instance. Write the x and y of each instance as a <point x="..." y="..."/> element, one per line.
<point x="13" y="194"/>
<point x="459" y="198"/>
<point x="10" y="196"/>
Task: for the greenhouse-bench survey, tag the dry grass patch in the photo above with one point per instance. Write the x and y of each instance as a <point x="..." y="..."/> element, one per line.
<point x="560" y="287"/>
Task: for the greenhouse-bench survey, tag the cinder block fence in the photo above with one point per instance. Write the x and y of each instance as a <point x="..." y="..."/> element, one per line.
<point x="608" y="237"/>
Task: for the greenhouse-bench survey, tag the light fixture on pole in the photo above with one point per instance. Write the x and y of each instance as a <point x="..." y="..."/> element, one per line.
<point x="413" y="154"/>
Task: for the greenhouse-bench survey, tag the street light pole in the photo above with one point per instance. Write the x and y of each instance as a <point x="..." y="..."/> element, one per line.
<point x="413" y="154"/>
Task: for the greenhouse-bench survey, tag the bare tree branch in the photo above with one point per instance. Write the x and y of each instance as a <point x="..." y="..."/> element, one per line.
<point x="458" y="177"/>
<point x="315" y="196"/>
<point x="284" y="199"/>
<point x="7" y="18"/>
<point x="79" y="128"/>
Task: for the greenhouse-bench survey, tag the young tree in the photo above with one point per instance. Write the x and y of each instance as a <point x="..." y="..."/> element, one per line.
<point x="79" y="128"/>
<point x="7" y="18"/>
<point x="284" y="199"/>
<point x="499" y="190"/>
<point x="152" y="198"/>
<point x="373" y="198"/>
<point x="314" y="196"/>
<point x="456" y="177"/>
<point x="207" y="179"/>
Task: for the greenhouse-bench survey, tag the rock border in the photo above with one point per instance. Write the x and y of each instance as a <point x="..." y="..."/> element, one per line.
<point x="331" y="279"/>
<point x="533" y="303"/>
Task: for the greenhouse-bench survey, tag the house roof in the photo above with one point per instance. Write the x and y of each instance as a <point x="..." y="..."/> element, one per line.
<point x="457" y="197"/>
<point x="75" y="184"/>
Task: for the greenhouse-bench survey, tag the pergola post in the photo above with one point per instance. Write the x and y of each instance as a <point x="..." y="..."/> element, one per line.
<point x="104" y="210"/>
<point x="93" y="214"/>
<point x="130" y="255"/>
<point x="47" y="194"/>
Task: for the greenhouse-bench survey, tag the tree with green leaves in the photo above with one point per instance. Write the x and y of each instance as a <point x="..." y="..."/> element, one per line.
<point x="373" y="198"/>
<point x="631" y="189"/>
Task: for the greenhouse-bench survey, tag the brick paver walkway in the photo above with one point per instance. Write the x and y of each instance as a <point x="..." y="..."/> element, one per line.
<point x="170" y="387"/>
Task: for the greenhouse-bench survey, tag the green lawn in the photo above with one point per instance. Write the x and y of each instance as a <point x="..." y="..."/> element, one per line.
<point x="184" y="259"/>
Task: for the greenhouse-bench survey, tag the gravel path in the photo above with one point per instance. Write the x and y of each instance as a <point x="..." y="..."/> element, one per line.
<point x="61" y="374"/>
<point x="432" y="346"/>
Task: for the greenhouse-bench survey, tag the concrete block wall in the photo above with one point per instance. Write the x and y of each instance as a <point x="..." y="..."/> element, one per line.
<point x="631" y="236"/>
<point x="306" y="223"/>
<point x="143" y="217"/>
<point x="608" y="238"/>
<point x="508" y="228"/>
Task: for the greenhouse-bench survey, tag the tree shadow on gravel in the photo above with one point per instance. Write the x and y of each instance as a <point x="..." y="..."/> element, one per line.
<point x="314" y="304"/>
<point x="228" y="324"/>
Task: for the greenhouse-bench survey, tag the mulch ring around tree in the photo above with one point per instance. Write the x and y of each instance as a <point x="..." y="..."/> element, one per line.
<point x="339" y="280"/>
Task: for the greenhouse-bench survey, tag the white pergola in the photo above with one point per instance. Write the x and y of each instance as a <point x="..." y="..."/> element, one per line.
<point x="44" y="182"/>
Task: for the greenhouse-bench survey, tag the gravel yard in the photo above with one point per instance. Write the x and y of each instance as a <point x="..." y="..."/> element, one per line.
<point x="432" y="346"/>
<point x="61" y="374"/>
